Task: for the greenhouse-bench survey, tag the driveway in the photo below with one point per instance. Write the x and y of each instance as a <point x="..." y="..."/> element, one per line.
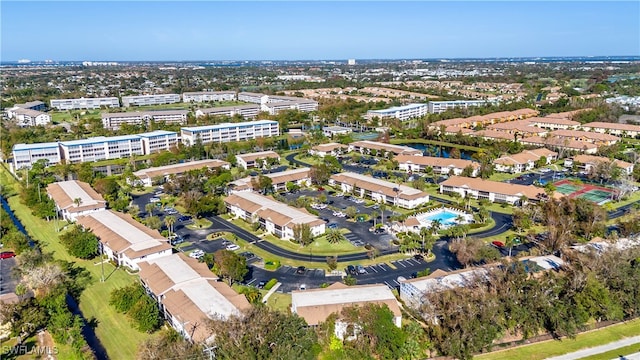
<point x="7" y="280"/>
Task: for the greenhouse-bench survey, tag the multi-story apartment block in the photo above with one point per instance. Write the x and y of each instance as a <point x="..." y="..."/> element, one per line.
<point x="206" y="96"/>
<point x="274" y="107"/>
<point x="588" y="162"/>
<point x="443" y="166"/>
<point x="257" y="159"/>
<point x="101" y="148"/>
<point x="382" y="149"/>
<point x="230" y="132"/>
<point x="379" y="190"/>
<point x="158" y="99"/>
<point x="75" y="198"/>
<point x="402" y="113"/>
<point x="624" y="130"/>
<point x="254" y="98"/>
<point x="436" y="107"/>
<point x="28" y="117"/>
<point x="147" y="176"/>
<point x="159" y="140"/>
<point x="246" y="111"/>
<point x="493" y="191"/>
<point x="32" y="105"/>
<point x="524" y="161"/>
<point x="25" y="155"/>
<point x="85" y="103"/>
<point x="113" y="121"/>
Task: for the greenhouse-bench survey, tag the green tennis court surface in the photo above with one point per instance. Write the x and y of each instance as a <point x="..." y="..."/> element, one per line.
<point x="567" y="189"/>
<point x="596" y="196"/>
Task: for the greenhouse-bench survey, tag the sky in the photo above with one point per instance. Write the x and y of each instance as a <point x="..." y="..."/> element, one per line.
<point x="306" y="30"/>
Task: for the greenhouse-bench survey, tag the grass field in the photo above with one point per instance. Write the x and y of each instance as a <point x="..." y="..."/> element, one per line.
<point x="113" y="329"/>
<point x="551" y="348"/>
<point x="615" y="354"/>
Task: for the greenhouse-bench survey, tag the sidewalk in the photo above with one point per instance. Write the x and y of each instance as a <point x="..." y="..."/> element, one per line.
<point x="598" y="349"/>
<point x="273" y="289"/>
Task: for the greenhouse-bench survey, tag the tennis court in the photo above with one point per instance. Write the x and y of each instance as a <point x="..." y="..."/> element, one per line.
<point x="596" y="196"/>
<point x="567" y="189"/>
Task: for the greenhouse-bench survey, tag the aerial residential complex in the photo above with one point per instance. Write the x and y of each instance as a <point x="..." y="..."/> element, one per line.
<point x="230" y="132"/>
<point x="493" y="191"/>
<point x="333" y="149"/>
<point x="274" y="104"/>
<point x="208" y="96"/>
<point x="276" y="218"/>
<point x="188" y="294"/>
<point x="379" y="190"/>
<point x="587" y="162"/>
<point x="75" y="198"/>
<point x="85" y="103"/>
<point x="402" y="113"/>
<point x="25" y="155"/>
<point x="142" y="100"/>
<point x="113" y="121"/>
<point x="123" y="239"/>
<point x="524" y="161"/>
<point x="279" y="180"/>
<point x="257" y="159"/>
<point x="28" y="117"/>
<point x="382" y="149"/>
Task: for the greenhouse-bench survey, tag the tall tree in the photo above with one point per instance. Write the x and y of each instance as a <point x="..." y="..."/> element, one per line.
<point x="229" y="265"/>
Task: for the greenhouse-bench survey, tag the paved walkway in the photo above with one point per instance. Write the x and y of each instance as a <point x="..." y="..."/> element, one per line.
<point x="271" y="291"/>
<point x="599" y="349"/>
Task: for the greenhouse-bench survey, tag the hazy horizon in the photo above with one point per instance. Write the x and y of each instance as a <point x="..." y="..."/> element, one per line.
<point x="322" y="31"/>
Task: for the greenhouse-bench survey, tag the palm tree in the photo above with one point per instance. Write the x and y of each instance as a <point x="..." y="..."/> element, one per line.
<point x="169" y="221"/>
<point x="77" y="201"/>
<point x="435" y="226"/>
<point x="425" y="234"/>
<point x="374" y="215"/>
<point x="149" y="209"/>
<point x="383" y="207"/>
<point x="334" y="236"/>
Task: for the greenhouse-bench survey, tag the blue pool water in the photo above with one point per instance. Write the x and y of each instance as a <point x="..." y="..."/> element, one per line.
<point x="446" y="217"/>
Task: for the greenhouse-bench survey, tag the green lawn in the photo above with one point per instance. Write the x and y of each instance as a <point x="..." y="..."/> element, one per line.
<point x="500" y="176"/>
<point x="614" y="354"/>
<point x="551" y="348"/>
<point x="199" y="224"/>
<point x="113" y="329"/>
<point x="278" y="301"/>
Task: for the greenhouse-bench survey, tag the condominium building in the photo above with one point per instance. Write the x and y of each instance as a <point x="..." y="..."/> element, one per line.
<point x="230" y="132"/>
<point x="379" y="190"/>
<point x="493" y="191"/>
<point x="274" y="107"/>
<point x="588" y="162"/>
<point x="101" y="148"/>
<point x="142" y="100"/>
<point x="123" y="239"/>
<point x="624" y="130"/>
<point x="402" y="113"/>
<point x="246" y="111"/>
<point x="257" y="159"/>
<point x="113" y="121"/>
<point x="159" y="140"/>
<point x="31" y="105"/>
<point x="559" y="143"/>
<point x="382" y="149"/>
<point x="25" y="155"/>
<point x="75" y="198"/>
<point x="189" y="294"/>
<point x="147" y="176"/>
<point x="443" y="166"/>
<point x="300" y="177"/>
<point x="488" y="119"/>
<point x="524" y="161"/>
<point x="85" y="103"/>
<point x="28" y="117"/>
<point x="333" y="149"/>
<point x="436" y="107"/>
<point x="331" y="131"/>
<point x="255" y="98"/>
<point x="316" y="305"/>
<point x="276" y="218"/>
<point x="208" y="96"/>
<point x="596" y="138"/>
<point x="554" y="123"/>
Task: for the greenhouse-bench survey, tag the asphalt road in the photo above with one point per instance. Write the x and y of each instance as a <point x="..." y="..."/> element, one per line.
<point x="7" y="280"/>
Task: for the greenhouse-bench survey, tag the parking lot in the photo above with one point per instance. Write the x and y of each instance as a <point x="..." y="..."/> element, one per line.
<point x="359" y="234"/>
<point x="7" y="281"/>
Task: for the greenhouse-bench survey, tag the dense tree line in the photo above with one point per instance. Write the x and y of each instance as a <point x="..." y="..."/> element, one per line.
<point x="141" y="309"/>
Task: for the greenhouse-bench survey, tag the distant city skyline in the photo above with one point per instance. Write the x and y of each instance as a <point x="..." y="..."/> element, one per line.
<point x="190" y="31"/>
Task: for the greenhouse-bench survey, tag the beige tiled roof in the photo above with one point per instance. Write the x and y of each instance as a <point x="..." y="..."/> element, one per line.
<point x="179" y="168"/>
<point x="379" y="186"/>
<point x="559" y="142"/>
<point x="554" y="121"/>
<point x="524" y="157"/>
<point x="591" y="159"/>
<point x="497" y="187"/>
<point x="396" y="149"/>
<point x="493" y="134"/>
<point x="267" y="208"/>
<point x="258" y="155"/>
<point x="329" y="147"/>
<point x="163" y="273"/>
<point x="436" y="161"/>
<point x="584" y="134"/>
<point x="612" y="126"/>
<point x="64" y="193"/>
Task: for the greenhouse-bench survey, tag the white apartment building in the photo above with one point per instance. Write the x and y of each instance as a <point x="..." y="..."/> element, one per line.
<point x="123" y="239"/>
<point x="31" y="105"/>
<point x="246" y="111"/>
<point x="443" y="166"/>
<point x="330" y="131"/>
<point x="188" y="294"/>
<point x="587" y="162"/>
<point x="256" y="159"/>
<point x="333" y="149"/>
<point x="624" y="130"/>
<point x="146" y="176"/>
<point x="255" y="98"/>
<point x="402" y="113"/>
<point x="158" y="99"/>
<point x="75" y="198"/>
<point x="25" y="155"/>
<point x="493" y="191"/>
<point x="279" y="180"/>
<point x="524" y="161"/>
<point x="85" y="103"/>
<point x="436" y="107"/>
<point x="101" y="148"/>
<point x="208" y="96"/>
<point x="113" y="121"/>
<point x="298" y="104"/>
<point x="379" y="190"/>
<point x="159" y="140"/>
<point x="276" y="218"/>
<point x="230" y="132"/>
<point x="28" y="117"/>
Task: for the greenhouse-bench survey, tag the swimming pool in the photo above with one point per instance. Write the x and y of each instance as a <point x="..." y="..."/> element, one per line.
<point x="445" y="216"/>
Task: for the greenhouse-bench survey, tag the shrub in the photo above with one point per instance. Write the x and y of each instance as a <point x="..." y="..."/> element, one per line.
<point x="271" y="283"/>
<point x="272" y="265"/>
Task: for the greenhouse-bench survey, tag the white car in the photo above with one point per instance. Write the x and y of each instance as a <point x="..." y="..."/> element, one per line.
<point x="154" y="200"/>
<point x="196" y="254"/>
<point x="233" y="247"/>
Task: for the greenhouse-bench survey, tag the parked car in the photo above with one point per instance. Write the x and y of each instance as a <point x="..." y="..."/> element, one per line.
<point x="232" y="247"/>
<point x="360" y="269"/>
<point x="196" y="254"/>
<point x="351" y="270"/>
<point x="301" y="270"/>
<point x="379" y="231"/>
<point x="177" y="239"/>
<point x="261" y="284"/>
<point x="498" y="243"/>
<point x="248" y="255"/>
<point x="7" y="254"/>
<point x="184" y="218"/>
<point x="303" y="286"/>
<point x="418" y="257"/>
<point x="154" y="200"/>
